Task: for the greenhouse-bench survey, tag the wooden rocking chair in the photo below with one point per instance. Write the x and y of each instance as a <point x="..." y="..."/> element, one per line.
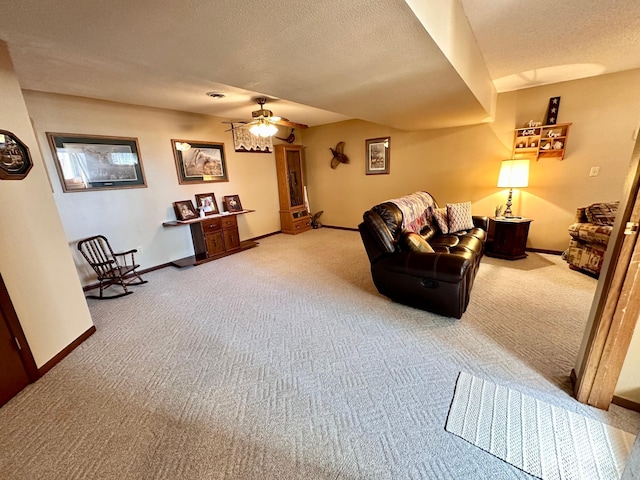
<point x="98" y="253"/>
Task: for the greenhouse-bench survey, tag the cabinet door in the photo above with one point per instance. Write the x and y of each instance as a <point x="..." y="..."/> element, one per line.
<point x="510" y="239"/>
<point x="231" y="239"/>
<point x="13" y="375"/>
<point x="214" y="243"/>
<point x="294" y="177"/>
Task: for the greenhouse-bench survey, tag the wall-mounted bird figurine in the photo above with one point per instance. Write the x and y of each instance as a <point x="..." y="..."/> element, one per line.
<point x="338" y="155"/>
<point x="290" y="139"/>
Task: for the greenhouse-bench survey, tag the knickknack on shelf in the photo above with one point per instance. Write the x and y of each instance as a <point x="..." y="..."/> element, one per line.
<point x="543" y="141"/>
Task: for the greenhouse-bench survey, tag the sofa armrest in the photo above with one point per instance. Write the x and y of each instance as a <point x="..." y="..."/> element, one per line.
<point x="379" y="231"/>
<point x="481" y="222"/>
<point x="445" y="267"/>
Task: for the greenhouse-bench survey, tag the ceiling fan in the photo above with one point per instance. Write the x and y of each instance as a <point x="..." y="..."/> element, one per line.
<point x="264" y="121"/>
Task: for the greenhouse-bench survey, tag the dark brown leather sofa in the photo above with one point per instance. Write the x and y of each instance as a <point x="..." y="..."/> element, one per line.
<point x="438" y="282"/>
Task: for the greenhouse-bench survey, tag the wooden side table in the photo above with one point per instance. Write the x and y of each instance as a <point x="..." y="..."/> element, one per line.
<point x="507" y="237"/>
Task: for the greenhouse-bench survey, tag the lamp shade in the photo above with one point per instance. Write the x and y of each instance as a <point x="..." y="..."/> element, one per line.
<point x="514" y="174"/>
<point x="264" y="128"/>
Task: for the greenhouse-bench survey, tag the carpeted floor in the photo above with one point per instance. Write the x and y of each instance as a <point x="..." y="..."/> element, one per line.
<point x="283" y="362"/>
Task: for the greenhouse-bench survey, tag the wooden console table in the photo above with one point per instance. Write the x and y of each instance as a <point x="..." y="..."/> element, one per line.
<point x="214" y="236"/>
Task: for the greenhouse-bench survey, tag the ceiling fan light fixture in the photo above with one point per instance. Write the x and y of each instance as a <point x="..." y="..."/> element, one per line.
<point x="263" y="129"/>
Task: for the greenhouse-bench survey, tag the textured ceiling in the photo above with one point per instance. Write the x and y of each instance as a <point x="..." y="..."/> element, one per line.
<point x="398" y="63"/>
<point x="532" y="43"/>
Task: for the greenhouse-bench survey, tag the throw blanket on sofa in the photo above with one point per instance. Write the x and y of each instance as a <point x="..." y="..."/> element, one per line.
<point x="416" y="209"/>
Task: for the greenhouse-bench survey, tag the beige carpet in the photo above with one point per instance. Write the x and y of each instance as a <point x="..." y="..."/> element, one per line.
<point x="549" y="442"/>
<point x="283" y="362"/>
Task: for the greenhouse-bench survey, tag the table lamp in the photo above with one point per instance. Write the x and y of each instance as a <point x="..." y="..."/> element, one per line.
<point x="513" y="174"/>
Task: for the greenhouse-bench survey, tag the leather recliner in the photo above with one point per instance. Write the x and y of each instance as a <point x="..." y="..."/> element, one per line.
<point x="438" y="282"/>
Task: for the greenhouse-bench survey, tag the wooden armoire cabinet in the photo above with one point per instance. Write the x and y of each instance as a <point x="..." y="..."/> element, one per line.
<point x="294" y="217"/>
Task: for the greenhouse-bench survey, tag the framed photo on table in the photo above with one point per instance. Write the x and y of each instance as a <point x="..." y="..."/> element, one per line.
<point x="184" y="210"/>
<point x="96" y="162"/>
<point x="232" y="203"/>
<point x="199" y="162"/>
<point x="377" y="155"/>
<point x="207" y="202"/>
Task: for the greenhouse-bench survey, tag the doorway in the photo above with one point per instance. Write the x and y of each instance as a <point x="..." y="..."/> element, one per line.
<point x="17" y="366"/>
<point x="616" y="305"/>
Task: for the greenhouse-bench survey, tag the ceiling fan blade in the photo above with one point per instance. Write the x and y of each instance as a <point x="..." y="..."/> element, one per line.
<point x="240" y="124"/>
<point x="286" y="123"/>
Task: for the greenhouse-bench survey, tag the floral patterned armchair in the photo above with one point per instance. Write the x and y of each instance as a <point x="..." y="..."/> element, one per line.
<point x="589" y="237"/>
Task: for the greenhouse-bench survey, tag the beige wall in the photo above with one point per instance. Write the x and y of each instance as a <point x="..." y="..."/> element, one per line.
<point x="462" y="164"/>
<point x="447" y="24"/>
<point x="34" y="256"/>
<point x="133" y="217"/>
<point x="605" y="112"/>
<point x="628" y="386"/>
<point x="445" y="162"/>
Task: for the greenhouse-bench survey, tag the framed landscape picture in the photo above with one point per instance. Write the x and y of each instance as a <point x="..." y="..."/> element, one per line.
<point x="199" y="162"/>
<point x="377" y="155"/>
<point x="96" y="162"/>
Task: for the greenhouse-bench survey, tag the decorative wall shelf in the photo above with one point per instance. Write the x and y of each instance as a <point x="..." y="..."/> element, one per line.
<point x="546" y="141"/>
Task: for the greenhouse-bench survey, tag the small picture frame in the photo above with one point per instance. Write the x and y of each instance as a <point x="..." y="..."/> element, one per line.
<point x="15" y="160"/>
<point x="232" y="203"/>
<point x="377" y="155"/>
<point x="207" y="202"/>
<point x="185" y="210"/>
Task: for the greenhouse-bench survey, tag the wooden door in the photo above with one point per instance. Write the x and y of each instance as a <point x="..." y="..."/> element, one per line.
<point x="17" y="366"/>
<point x="616" y="305"/>
<point x="13" y="374"/>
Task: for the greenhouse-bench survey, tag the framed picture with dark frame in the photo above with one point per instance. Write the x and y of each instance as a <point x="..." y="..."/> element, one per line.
<point x="96" y="162"/>
<point x="185" y="210"/>
<point x="207" y="202"/>
<point x="377" y="155"/>
<point x="199" y="162"/>
<point x="232" y="203"/>
<point x="15" y="159"/>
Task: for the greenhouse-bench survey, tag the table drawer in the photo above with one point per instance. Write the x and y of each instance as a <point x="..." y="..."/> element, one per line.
<point x="211" y="225"/>
<point x="303" y="224"/>
<point x="229" y="222"/>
